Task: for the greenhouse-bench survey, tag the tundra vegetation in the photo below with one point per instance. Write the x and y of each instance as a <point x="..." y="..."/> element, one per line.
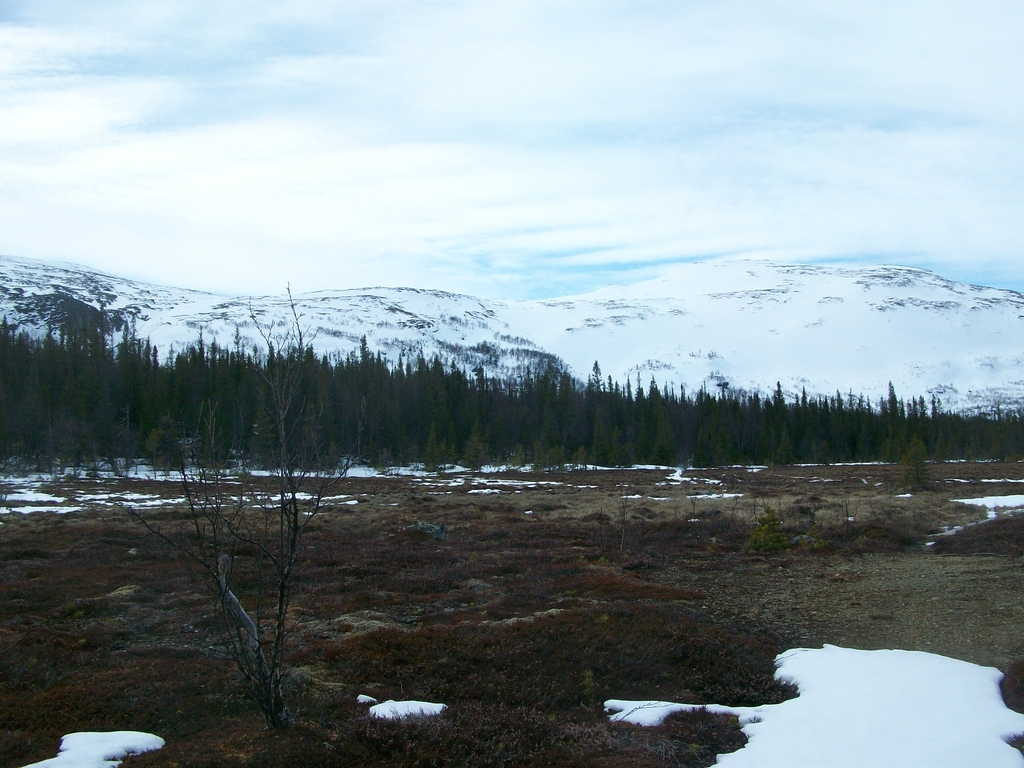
<point x="522" y="624"/>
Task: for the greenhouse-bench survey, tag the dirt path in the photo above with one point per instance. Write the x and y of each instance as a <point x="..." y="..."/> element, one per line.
<point x="970" y="607"/>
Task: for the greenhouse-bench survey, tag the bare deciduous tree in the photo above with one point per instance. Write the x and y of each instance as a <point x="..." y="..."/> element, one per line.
<point x="240" y="535"/>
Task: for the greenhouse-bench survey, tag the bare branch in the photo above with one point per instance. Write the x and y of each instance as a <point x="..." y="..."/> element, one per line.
<point x="221" y="521"/>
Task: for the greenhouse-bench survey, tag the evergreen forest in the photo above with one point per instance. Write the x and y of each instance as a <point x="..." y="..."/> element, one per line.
<point x="86" y="396"/>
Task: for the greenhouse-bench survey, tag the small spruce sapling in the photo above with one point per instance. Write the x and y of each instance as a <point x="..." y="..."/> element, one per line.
<point x="915" y="466"/>
<point x="767" y="537"/>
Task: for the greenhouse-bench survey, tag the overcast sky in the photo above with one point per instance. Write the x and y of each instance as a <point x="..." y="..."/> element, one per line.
<point x="509" y="149"/>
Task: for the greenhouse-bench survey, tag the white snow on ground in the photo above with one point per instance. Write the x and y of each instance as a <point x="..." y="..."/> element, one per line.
<point x="649" y="713"/>
<point x="992" y="503"/>
<point x="995" y="502"/>
<point x="436" y="482"/>
<point x="49" y="503"/>
<point x="99" y="750"/>
<point x="868" y="709"/>
<point x="155" y="501"/>
<point x="34" y="496"/>
<point x="396" y="710"/>
<point x="515" y="483"/>
<point x="677" y="478"/>
<point x="27" y="509"/>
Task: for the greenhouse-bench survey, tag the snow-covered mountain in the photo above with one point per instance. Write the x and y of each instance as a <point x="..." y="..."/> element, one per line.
<point x="745" y="324"/>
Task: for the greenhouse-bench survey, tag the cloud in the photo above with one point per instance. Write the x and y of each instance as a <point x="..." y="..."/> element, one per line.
<point x="518" y="149"/>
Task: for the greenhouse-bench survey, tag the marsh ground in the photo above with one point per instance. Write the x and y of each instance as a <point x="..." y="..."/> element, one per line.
<point x="549" y="593"/>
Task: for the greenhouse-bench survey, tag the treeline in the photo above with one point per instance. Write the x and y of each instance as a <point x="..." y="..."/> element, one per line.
<point x="81" y="396"/>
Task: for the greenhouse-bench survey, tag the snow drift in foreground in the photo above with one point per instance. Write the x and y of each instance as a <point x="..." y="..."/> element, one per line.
<point x="868" y="709"/>
<point x="99" y="750"/>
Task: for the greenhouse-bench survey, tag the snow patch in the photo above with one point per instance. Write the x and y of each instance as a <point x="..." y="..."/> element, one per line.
<point x="995" y="502"/>
<point x="30" y="509"/>
<point x="99" y="750"/>
<point x="992" y="503"/>
<point x="876" y="709"/>
<point x="35" y="496"/>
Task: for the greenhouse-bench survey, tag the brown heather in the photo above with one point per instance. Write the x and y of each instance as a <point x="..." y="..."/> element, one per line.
<point x="522" y="625"/>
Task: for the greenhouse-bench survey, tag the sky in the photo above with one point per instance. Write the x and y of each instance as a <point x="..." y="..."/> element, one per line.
<point x="509" y="149"/>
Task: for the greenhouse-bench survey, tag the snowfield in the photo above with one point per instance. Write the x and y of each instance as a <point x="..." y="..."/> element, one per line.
<point x="868" y="709"/>
<point x="745" y="324"/>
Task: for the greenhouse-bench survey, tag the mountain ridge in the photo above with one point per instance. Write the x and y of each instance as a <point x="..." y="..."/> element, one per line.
<point x="729" y="324"/>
